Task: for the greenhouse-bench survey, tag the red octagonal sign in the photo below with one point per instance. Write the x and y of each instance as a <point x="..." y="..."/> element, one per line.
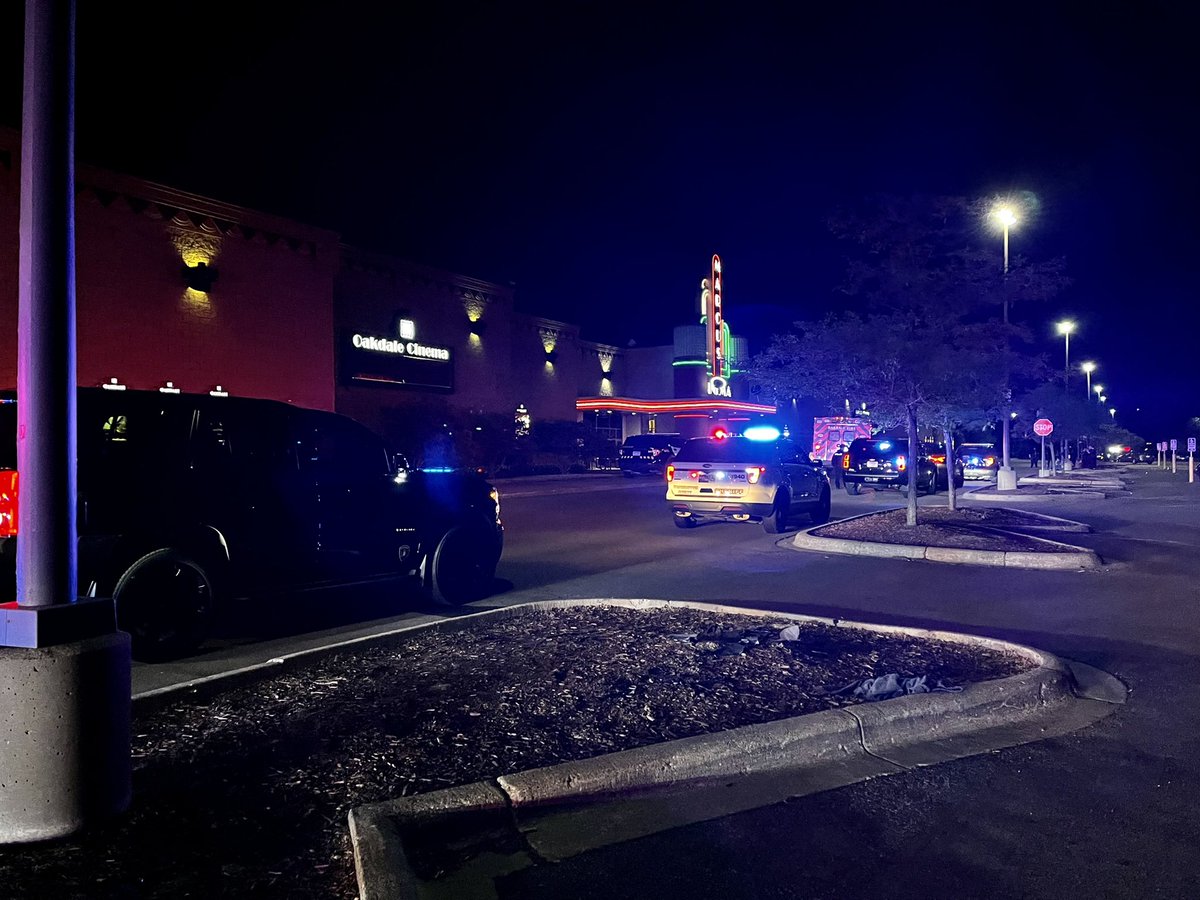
<point x="1043" y="427"/>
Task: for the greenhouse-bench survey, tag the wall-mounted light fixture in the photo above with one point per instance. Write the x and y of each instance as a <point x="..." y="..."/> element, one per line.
<point x="551" y="356"/>
<point x="199" y="277"/>
<point x="477" y="327"/>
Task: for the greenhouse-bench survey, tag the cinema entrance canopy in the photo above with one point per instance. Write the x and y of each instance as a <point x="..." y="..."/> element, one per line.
<point x="691" y="417"/>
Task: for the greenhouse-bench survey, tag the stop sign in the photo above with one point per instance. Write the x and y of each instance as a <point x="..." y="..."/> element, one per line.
<point x="1043" y="427"/>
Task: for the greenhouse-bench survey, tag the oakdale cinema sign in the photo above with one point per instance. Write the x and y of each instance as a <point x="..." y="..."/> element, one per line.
<point x="401" y="360"/>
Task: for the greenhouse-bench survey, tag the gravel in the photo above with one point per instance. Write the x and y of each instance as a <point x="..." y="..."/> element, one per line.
<point x="246" y="793"/>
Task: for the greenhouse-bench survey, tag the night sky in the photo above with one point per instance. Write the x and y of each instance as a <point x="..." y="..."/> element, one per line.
<point x="596" y="155"/>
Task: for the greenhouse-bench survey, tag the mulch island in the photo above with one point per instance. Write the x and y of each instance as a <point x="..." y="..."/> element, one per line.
<point x="967" y="529"/>
<point x="246" y="794"/>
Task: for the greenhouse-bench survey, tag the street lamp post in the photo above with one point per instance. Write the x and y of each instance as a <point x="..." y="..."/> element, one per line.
<point x="1112" y="412"/>
<point x="1006" y="478"/>
<point x="1099" y="389"/>
<point x="1088" y="369"/>
<point x="1065" y="329"/>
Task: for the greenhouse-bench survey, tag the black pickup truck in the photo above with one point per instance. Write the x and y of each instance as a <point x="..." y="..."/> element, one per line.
<point x="190" y="504"/>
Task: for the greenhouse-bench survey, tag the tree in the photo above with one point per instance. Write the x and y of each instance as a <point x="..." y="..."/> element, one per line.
<point x="928" y="346"/>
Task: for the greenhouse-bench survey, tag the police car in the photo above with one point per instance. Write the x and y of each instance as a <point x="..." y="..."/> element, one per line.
<point x="757" y="476"/>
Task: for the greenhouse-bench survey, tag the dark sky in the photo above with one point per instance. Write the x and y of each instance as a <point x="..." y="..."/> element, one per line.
<point x="596" y="155"/>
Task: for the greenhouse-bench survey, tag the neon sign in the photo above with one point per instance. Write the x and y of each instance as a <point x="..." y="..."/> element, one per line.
<point x="716" y="322"/>
<point x="719" y="387"/>
<point x="401" y="348"/>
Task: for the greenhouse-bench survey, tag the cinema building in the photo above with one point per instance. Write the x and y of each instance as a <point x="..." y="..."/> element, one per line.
<point x="178" y="291"/>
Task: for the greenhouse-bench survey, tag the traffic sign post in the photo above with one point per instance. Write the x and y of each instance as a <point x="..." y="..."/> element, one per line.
<point x="1191" y="460"/>
<point x="1043" y="428"/>
<point x="1174" y="444"/>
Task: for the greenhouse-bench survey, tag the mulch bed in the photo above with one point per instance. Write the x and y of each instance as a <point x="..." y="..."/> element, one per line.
<point x="246" y="794"/>
<point x="966" y="529"/>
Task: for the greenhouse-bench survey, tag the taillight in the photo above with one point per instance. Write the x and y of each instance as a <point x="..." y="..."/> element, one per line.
<point x="989" y="460"/>
<point x="845" y="460"/>
<point x="939" y="458"/>
<point x="901" y="463"/>
<point x="8" y="503"/>
<point x="670" y="472"/>
<point x="754" y="473"/>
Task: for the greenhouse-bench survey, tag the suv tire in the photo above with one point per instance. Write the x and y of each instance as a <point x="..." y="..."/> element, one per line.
<point x="685" y="521"/>
<point x="462" y="567"/>
<point x="165" y="601"/>
<point x="853" y="488"/>
<point x="777" y="521"/>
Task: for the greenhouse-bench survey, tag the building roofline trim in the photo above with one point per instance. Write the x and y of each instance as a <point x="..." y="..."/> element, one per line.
<point x="699" y="404"/>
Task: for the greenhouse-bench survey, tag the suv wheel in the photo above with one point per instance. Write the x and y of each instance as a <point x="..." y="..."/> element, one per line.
<point x="165" y="601"/>
<point x="931" y="486"/>
<point x="685" y="521"/>
<point x="776" y="522"/>
<point x="853" y="488"/>
<point x="820" y="512"/>
<point x="463" y="566"/>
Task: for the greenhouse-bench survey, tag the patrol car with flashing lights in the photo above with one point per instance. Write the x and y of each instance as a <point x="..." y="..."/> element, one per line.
<point x="980" y="461"/>
<point x="757" y="476"/>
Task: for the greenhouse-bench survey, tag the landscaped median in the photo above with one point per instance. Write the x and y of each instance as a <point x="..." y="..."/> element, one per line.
<point x="457" y="842"/>
<point x="978" y="536"/>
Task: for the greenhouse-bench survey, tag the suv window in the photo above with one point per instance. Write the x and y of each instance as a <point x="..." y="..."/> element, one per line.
<point x="331" y="446"/>
<point x="648" y="441"/>
<point x="728" y="450"/>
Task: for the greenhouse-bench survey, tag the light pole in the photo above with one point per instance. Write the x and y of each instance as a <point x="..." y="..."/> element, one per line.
<point x="1112" y="412"/>
<point x="1088" y="369"/>
<point x="1065" y="329"/>
<point x="1006" y="478"/>
<point x="1099" y="389"/>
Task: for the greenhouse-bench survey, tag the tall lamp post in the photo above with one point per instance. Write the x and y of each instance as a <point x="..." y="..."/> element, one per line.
<point x="1099" y="389"/>
<point x="1088" y="369"/>
<point x="1006" y="478"/>
<point x="1112" y="412"/>
<point x="1066" y="328"/>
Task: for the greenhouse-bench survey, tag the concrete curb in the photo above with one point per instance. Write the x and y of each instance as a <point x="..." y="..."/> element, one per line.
<point x="1069" y="557"/>
<point x="561" y="810"/>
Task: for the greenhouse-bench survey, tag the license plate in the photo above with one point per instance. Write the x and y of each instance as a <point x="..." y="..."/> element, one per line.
<point x="869" y="478"/>
<point x="635" y="452"/>
<point x="872" y="464"/>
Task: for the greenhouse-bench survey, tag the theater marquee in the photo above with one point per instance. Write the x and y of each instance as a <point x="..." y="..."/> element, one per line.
<point x="399" y="360"/>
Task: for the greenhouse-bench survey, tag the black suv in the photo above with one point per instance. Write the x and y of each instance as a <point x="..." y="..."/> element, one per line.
<point x="885" y="463"/>
<point x="648" y="454"/>
<point x="188" y="501"/>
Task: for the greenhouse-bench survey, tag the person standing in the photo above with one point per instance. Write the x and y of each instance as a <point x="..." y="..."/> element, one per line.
<point x="836" y="463"/>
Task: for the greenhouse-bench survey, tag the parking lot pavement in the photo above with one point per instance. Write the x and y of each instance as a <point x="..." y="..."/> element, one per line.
<point x="1108" y="811"/>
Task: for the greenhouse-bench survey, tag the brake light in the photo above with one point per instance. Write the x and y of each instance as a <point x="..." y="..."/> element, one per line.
<point x="670" y="472"/>
<point x="720" y="434"/>
<point x="901" y="463"/>
<point x="845" y="460"/>
<point x="939" y="458"/>
<point x="989" y="460"/>
<point x="8" y="503"/>
<point x="754" y="473"/>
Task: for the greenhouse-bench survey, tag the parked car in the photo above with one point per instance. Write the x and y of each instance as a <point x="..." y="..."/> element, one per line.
<point x="648" y="454"/>
<point x="188" y="504"/>
<point x="885" y="463"/>
<point x="979" y="461"/>
<point x="756" y="478"/>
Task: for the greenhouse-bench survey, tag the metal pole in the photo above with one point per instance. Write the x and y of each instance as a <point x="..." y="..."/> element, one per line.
<point x="1005" y="479"/>
<point x="1089" y="384"/>
<point x="1067" y="363"/>
<point x="46" y="550"/>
